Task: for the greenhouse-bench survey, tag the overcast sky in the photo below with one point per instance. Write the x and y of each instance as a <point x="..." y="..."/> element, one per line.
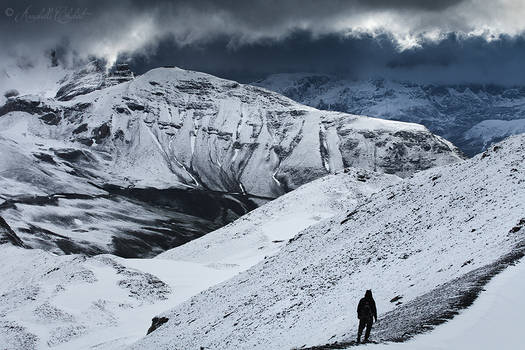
<point x="448" y="41"/>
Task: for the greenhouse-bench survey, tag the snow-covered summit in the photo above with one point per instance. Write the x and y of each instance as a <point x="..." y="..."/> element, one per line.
<point x="91" y="76"/>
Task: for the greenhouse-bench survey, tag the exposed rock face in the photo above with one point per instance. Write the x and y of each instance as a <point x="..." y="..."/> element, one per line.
<point x="457" y="112"/>
<point x="7" y="235"/>
<point x="29" y="104"/>
<point x="121" y="74"/>
<point x="92" y="76"/>
<point x="156" y="322"/>
<point x="89" y="78"/>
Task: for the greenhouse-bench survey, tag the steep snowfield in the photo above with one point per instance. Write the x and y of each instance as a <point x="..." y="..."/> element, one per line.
<point x="447" y="110"/>
<point x="75" y="302"/>
<point x="265" y="230"/>
<point x="432" y="241"/>
<point x="164" y="143"/>
<point x="495" y="321"/>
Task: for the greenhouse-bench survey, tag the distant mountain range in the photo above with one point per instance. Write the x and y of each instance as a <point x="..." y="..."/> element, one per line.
<point x="471" y="116"/>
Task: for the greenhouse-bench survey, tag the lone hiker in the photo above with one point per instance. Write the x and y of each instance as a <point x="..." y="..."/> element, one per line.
<point x="367" y="313"/>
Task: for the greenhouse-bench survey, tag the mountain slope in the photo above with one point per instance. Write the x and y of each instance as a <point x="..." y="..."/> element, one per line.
<point x="427" y="240"/>
<point x="190" y="128"/>
<point x="262" y="232"/>
<point x="494" y="320"/>
<point x="451" y="111"/>
<point x="107" y="302"/>
<point x="185" y="152"/>
<point x="50" y="198"/>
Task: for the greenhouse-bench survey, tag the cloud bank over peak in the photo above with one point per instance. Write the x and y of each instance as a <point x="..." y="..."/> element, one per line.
<point x="134" y="28"/>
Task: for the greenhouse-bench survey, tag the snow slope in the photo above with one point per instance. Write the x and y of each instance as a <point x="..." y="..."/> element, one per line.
<point x="432" y="241"/>
<point x="495" y="320"/>
<point x="74" y="302"/>
<point x="447" y="110"/>
<point x="262" y="232"/>
<point x="105" y="302"/>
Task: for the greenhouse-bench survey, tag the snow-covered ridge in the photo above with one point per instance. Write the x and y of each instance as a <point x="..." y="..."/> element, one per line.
<point x="489" y="131"/>
<point x="436" y="229"/>
<point x="189" y="128"/>
<point x="450" y="111"/>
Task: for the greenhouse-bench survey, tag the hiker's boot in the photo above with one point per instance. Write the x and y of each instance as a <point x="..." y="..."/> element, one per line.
<point x="358" y="340"/>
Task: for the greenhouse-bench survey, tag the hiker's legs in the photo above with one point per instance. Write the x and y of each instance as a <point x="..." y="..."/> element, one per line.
<point x="368" y="329"/>
<point x="362" y="324"/>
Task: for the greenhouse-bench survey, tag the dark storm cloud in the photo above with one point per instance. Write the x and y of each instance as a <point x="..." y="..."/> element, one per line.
<point x="247" y="40"/>
<point x="451" y="60"/>
<point x="84" y="23"/>
<point x="413" y="4"/>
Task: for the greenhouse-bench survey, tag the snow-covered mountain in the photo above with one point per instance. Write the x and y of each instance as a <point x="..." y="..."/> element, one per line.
<point x="171" y="126"/>
<point x="105" y="302"/>
<point x="126" y="168"/>
<point x="472" y="116"/>
<point x="426" y="247"/>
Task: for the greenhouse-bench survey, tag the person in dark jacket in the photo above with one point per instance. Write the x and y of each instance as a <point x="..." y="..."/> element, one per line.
<point x="366" y="313"/>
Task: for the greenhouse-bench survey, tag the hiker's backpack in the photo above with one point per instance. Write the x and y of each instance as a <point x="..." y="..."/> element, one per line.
<point x="366" y="310"/>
